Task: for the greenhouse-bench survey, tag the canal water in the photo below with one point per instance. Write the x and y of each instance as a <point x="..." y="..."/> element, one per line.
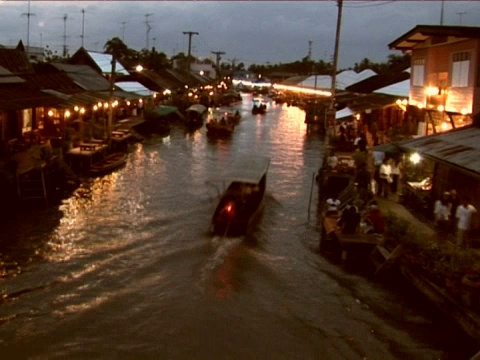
<point x="126" y="268"/>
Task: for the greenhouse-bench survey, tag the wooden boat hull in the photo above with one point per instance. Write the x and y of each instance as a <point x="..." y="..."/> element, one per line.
<point x="219" y="129"/>
<point x="242" y="203"/>
<point x="259" y="110"/>
<point x="236" y="225"/>
<point x="108" y="164"/>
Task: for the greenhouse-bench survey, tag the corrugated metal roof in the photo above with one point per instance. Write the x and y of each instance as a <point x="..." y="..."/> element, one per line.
<point x="85" y="77"/>
<point x="134" y="87"/>
<point x="15" y="61"/>
<point x="104" y="62"/>
<point x="6" y="77"/>
<point x="20" y="97"/>
<point x="459" y="148"/>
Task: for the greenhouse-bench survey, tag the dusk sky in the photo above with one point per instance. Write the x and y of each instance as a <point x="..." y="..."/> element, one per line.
<point x="260" y="32"/>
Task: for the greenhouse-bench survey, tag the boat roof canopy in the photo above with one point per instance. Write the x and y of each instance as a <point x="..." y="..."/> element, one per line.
<point x="247" y="169"/>
<point x="197" y="108"/>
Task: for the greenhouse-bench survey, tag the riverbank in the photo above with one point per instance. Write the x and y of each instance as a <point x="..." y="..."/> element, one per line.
<point x="448" y="276"/>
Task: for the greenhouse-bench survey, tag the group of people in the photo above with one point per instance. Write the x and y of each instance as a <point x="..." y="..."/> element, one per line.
<point x="453" y="216"/>
<point x="351" y="219"/>
<point x="387" y="174"/>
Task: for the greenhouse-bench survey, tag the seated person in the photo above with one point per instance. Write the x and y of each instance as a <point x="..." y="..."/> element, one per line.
<point x="332" y="205"/>
<point x="349" y="219"/>
<point x="374" y="219"/>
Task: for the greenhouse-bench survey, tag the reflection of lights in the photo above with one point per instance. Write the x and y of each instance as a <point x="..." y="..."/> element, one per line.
<point x="302" y="90"/>
<point x="167" y="92"/>
<point x="415" y="158"/>
<point x="441" y="108"/>
<point x="50" y="113"/>
<point x="431" y="90"/>
<point x="444" y="126"/>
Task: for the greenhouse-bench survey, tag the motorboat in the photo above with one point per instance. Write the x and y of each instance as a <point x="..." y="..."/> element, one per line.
<point x="219" y="125"/>
<point x="242" y="202"/>
<point x="196" y="115"/>
<point x="259" y="106"/>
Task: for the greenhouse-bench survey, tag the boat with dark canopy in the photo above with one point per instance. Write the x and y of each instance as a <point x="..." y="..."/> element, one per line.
<point x="242" y="202"/>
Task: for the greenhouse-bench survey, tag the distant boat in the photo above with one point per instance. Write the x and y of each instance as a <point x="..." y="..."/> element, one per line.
<point x="219" y="125"/>
<point x="231" y="114"/>
<point x="259" y="106"/>
<point x="242" y="202"/>
<point x="196" y="115"/>
<point x="108" y="164"/>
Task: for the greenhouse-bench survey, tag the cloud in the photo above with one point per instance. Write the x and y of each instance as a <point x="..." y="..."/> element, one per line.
<point x="248" y="31"/>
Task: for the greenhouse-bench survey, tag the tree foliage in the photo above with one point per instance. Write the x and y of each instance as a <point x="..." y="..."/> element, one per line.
<point x="154" y="60"/>
<point x="130" y="58"/>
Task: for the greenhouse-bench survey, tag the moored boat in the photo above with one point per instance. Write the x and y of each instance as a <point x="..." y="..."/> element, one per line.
<point x="242" y="202"/>
<point x="108" y="164"/>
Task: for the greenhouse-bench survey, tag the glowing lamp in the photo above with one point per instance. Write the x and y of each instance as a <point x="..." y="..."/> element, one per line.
<point x="415" y="158"/>
<point x="50" y="113"/>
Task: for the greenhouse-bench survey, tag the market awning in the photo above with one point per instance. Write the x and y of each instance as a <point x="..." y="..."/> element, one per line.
<point x="388" y="148"/>
<point x="344" y="113"/>
<point x="458" y="148"/>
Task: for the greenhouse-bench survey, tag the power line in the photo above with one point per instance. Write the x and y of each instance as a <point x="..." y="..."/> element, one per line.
<point x="367" y="4"/>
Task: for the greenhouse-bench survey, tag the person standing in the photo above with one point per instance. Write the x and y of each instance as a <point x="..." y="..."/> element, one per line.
<point x="377" y="159"/>
<point x="441" y="213"/>
<point x="454" y="203"/>
<point x="385" y="173"/>
<point x="464" y="215"/>
<point x="396" y="171"/>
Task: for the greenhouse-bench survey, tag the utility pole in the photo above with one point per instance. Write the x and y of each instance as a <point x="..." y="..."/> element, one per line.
<point x="190" y="34"/>
<point x="309" y="56"/>
<point x="83" y="26"/>
<point x="218" y="55"/>
<point x="65" y="17"/>
<point x="28" y="14"/>
<point x="332" y="110"/>
<point x="123" y="30"/>
<point x="441" y="14"/>
<point x="148" y="27"/>
<point x="461" y="14"/>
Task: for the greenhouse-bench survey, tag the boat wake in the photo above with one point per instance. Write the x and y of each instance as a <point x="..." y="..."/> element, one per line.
<point x="217" y="273"/>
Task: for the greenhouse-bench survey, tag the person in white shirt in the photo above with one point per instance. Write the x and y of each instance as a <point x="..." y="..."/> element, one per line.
<point x="441" y="213"/>
<point x="333" y="205"/>
<point x="464" y="215"/>
<point x="385" y="173"/>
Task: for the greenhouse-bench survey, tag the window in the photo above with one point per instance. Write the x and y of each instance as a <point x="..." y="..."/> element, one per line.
<point x="418" y="72"/>
<point x="460" y="67"/>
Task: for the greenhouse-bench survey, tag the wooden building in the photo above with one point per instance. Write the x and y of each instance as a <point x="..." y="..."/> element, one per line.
<point x="445" y="76"/>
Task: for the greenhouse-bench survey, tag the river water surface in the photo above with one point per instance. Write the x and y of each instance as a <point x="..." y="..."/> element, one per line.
<point x="126" y="268"/>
